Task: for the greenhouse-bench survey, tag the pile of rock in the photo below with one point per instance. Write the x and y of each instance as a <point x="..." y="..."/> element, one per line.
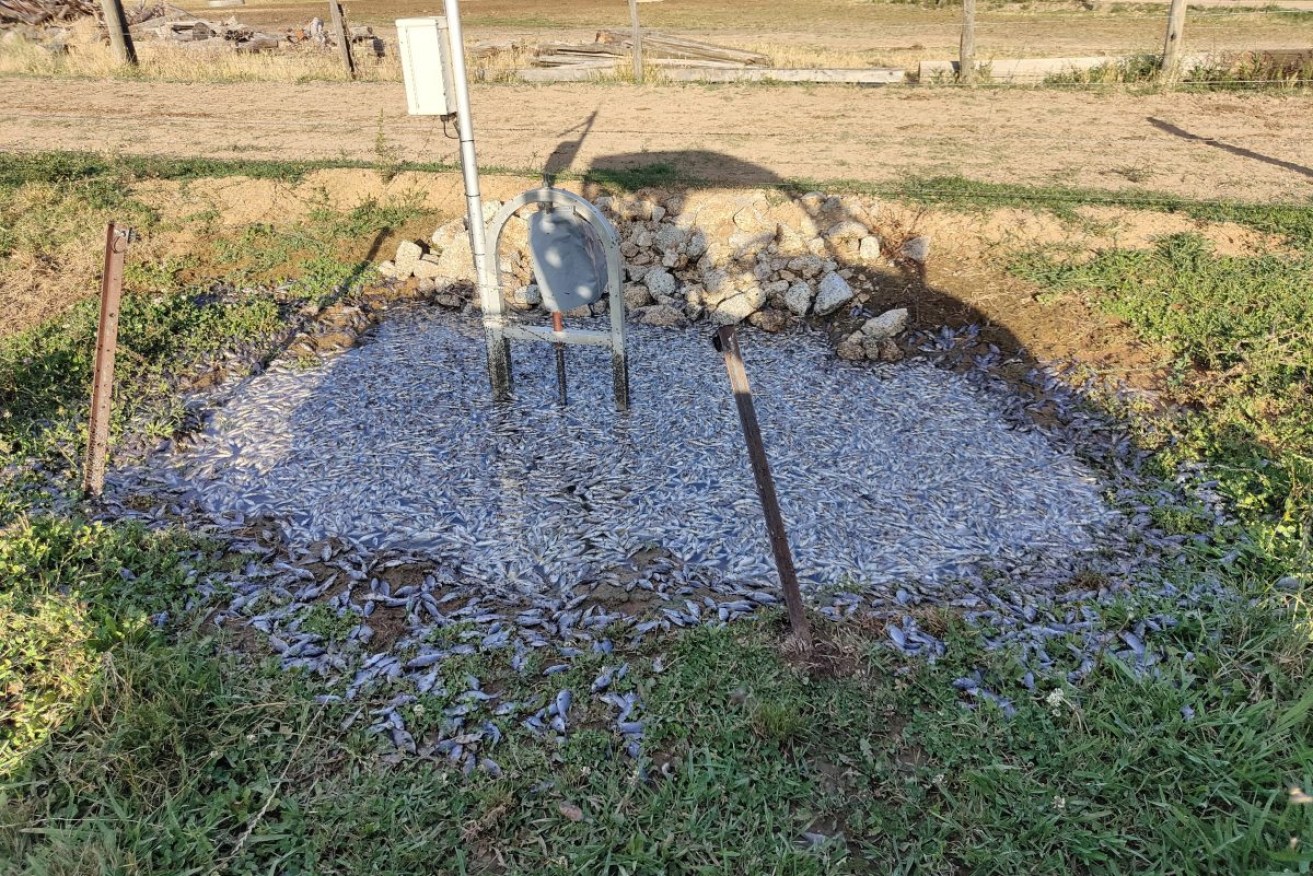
<point x="727" y="257"/>
<point x="875" y="339"/>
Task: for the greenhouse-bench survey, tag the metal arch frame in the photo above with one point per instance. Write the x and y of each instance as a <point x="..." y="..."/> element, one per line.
<point x="499" y="333"/>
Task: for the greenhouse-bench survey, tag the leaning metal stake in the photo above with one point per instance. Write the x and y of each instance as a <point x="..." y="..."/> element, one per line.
<point x="726" y="341"/>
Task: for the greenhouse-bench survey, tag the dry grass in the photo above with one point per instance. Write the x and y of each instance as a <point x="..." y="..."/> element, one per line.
<point x="803" y="33"/>
<point x="88" y="56"/>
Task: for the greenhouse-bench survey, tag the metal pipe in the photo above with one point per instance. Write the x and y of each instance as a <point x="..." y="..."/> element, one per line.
<point x="727" y="342"/>
<point x="499" y="370"/>
<point x="558" y="325"/>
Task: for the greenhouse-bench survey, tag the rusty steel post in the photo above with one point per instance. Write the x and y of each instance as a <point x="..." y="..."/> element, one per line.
<point x="726" y="341"/>
<point x="107" y="339"/>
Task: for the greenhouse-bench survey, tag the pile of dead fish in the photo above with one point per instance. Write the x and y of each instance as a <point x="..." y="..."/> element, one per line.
<point x="547" y="534"/>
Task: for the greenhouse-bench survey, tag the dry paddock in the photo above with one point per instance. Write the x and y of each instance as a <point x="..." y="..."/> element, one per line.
<point x="1220" y="145"/>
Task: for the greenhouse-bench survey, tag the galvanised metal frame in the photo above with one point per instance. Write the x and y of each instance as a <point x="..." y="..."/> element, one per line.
<point x="500" y="333"/>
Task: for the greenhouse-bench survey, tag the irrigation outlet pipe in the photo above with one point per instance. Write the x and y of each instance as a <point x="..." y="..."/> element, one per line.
<point x="489" y="297"/>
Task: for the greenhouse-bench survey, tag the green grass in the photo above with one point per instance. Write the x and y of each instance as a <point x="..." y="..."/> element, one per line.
<point x="133" y="741"/>
<point x="1238" y="328"/>
<point x="72" y="592"/>
<point x="181" y="751"/>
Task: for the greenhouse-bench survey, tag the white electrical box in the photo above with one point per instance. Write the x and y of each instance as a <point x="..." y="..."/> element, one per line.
<point x="425" y="54"/>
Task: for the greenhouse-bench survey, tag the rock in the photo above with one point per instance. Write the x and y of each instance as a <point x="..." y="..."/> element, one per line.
<point x="527" y="297"/>
<point x="490" y="209"/>
<point x="636" y="296"/>
<point x="869" y="249"/>
<point x="881" y="349"/>
<point x="408" y="253"/>
<point x="581" y="312"/>
<point x="457" y="260"/>
<point x="662" y="315"/>
<point x="448" y="232"/>
<point x="737" y="308"/>
<point x="428" y="267"/>
<point x="851" y="350"/>
<point x="696" y="246"/>
<point x="799" y="298"/>
<point x="807" y="266"/>
<point x="387" y="270"/>
<point x="717" y="284"/>
<point x="832" y="293"/>
<point x="660" y="283"/>
<point x="848" y="230"/>
<point x="917" y="249"/>
<point x="670" y="238"/>
<point x="886" y="325"/>
<point x="769" y="320"/>
<point x="448" y="299"/>
<point x="426" y="286"/>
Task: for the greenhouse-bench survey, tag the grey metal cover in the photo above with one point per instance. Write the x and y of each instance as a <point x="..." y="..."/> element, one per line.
<point x="568" y="261"/>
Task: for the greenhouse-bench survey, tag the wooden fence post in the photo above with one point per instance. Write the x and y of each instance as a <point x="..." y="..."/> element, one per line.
<point x="343" y="39"/>
<point x="120" y="38"/>
<point x="966" y="66"/>
<point x="1173" y="42"/>
<point x="638" y="41"/>
<point x="107" y="340"/>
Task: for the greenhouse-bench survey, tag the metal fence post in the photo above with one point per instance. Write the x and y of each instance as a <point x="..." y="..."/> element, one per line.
<point x="107" y="338"/>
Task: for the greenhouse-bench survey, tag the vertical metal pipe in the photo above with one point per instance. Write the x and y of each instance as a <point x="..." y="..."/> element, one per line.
<point x="107" y="337"/>
<point x="558" y="325"/>
<point x="727" y="342"/>
<point x="499" y="365"/>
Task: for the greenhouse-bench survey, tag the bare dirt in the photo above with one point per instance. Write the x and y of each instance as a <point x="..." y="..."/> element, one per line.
<point x="1252" y="147"/>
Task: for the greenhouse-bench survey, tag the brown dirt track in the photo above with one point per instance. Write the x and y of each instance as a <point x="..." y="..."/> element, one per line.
<point x="1253" y="147"/>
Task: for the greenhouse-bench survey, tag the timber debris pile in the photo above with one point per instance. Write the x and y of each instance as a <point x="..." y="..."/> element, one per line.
<point x="45" y="22"/>
<point x="660" y="49"/>
<point x="38" y="12"/>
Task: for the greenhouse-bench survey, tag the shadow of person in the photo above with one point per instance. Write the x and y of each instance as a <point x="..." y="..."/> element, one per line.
<point x="762" y="235"/>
